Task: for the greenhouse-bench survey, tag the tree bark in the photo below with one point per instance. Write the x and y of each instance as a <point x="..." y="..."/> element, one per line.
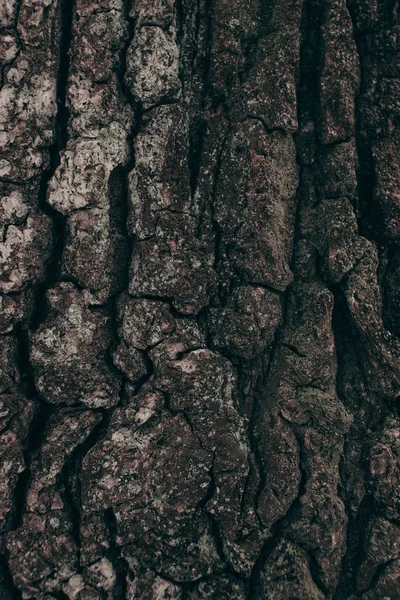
<point x="200" y="299"/>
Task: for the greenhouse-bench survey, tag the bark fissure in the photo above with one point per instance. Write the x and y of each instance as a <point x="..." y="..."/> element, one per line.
<point x="52" y="271"/>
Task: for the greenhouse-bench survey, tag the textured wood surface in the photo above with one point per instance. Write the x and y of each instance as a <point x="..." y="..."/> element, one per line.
<point x="200" y="300"/>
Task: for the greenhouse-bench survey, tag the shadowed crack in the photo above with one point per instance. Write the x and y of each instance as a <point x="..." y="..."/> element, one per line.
<point x="215" y="527"/>
<point x="201" y="64"/>
<point x="366" y="177"/>
<point x="356" y="535"/>
<point x="7" y="587"/>
<point x="53" y="264"/>
<point x="218" y="234"/>
<point x="69" y="478"/>
<point x="277" y="532"/>
<point x="357" y="521"/>
<point x="307" y="109"/>
<point x="41" y="416"/>
<point x="259" y="398"/>
<point x="120" y="565"/>
<point x="42" y="410"/>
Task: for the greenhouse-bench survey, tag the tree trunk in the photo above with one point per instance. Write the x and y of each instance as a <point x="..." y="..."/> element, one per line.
<point x="200" y="299"/>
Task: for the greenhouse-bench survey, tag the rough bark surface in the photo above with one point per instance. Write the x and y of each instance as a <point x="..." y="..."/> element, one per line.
<point x="200" y="299"/>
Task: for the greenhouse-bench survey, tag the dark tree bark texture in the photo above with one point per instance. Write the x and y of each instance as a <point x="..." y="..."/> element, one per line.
<point x="200" y="299"/>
